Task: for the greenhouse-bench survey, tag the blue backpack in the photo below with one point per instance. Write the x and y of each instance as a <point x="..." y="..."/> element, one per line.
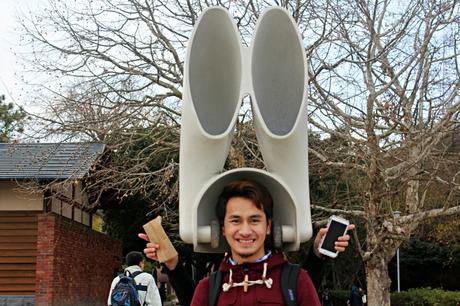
<point x="125" y="292"/>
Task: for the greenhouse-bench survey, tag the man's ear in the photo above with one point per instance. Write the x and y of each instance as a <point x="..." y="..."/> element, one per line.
<point x="269" y="226"/>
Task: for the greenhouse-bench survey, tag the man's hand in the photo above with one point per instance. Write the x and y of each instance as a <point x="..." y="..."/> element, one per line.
<point x="151" y="252"/>
<point x="340" y="245"/>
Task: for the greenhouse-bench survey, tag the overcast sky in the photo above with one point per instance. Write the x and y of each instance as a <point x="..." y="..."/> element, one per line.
<point x="10" y="69"/>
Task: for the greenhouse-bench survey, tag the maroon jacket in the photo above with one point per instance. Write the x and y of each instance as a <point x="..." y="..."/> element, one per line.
<point x="257" y="294"/>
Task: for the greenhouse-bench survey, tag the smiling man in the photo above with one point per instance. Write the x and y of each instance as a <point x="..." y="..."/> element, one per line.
<point x="251" y="274"/>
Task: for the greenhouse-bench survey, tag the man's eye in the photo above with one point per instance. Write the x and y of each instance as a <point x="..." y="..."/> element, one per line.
<point x="234" y="221"/>
<point x="255" y="221"/>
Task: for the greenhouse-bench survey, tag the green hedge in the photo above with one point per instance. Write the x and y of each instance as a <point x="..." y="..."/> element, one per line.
<point x="340" y="297"/>
<point x="425" y="297"/>
<point x="412" y="297"/>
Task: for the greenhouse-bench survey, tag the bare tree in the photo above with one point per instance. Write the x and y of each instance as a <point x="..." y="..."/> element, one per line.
<point x="384" y="79"/>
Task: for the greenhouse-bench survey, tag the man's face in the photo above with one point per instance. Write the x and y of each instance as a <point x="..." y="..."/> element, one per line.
<point x="245" y="228"/>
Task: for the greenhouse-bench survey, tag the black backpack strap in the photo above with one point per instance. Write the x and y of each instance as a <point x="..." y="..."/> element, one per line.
<point x="288" y="283"/>
<point x="138" y="287"/>
<point x="215" y="281"/>
<point x="134" y="274"/>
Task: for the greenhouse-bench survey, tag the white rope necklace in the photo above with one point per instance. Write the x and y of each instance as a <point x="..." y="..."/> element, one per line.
<point x="247" y="283"/>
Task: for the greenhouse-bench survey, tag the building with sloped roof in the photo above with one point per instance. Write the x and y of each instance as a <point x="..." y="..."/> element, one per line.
<point x="47" y="161"/>
<point x="49" y="252"/>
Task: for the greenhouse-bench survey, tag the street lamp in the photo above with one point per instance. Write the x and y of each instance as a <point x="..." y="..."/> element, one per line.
<point x="397" y="214"/>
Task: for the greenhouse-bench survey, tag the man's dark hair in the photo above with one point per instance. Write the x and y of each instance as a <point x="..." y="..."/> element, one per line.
<point x="134" y="258"/>
<point x="247" y="189"/>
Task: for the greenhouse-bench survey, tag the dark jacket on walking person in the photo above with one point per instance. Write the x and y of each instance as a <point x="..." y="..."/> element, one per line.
<point x="356" y="296"/>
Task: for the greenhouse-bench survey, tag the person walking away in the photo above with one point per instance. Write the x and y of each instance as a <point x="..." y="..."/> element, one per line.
<point x="326" y="298"/>
<point x="356" y="295"/>
<point x="134" y="287"/>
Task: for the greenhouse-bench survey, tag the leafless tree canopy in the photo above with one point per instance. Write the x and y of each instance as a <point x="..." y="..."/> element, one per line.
<point x="384" y="80"/>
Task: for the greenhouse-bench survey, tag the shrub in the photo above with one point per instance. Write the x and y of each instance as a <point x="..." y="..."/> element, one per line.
<point x="425" y="297"/>
<point x="340" y="297"/>
<point x="411" y="297"/>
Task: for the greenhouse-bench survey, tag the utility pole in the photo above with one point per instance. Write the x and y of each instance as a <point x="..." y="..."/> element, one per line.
<point x="397" y="214"/>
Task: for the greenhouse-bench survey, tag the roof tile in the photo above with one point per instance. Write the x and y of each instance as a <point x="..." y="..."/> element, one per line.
<point x="47" y="160"/>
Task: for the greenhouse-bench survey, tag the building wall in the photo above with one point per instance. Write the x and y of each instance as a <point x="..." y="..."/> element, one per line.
<point x="18" y="248"/>
<point x="75" y="265"/>
<point x="68" y="199"/>
<point x="12" y="198"/>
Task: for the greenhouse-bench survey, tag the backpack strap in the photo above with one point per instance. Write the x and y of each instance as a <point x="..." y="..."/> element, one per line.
<point x="215" y="281"/>
<point x="288" y="284"/>
<point x="138" y="287"/>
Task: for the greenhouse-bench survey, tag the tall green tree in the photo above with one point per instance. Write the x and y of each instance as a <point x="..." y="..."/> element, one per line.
<point x="11" y="120"/>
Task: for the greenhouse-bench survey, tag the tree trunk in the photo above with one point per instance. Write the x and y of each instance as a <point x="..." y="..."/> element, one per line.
<point x="378" y="281"/>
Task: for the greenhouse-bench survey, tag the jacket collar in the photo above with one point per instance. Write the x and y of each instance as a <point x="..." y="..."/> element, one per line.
<point x="263" y="258"/>
<point x="277" y="258"/>
<point x="133" y="269"/>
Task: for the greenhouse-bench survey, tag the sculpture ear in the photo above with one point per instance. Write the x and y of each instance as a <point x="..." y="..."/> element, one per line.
<point x="278" y="99"/>
<point x="211" y="100"/>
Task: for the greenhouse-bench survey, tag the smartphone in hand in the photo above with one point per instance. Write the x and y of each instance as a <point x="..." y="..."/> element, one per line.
<point x="336" y="227"/>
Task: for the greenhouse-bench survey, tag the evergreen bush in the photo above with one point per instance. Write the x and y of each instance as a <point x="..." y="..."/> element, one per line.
<point x="425" y="297"/>
<point x="411" y="297"/>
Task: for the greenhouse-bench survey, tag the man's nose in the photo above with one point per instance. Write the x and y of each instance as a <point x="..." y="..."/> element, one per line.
<point x="245" y="229"/>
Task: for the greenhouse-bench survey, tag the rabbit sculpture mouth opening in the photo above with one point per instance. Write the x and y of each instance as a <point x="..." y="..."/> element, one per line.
<point x="219" y="72"/>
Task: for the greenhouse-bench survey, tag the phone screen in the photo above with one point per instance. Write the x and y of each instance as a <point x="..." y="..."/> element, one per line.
<point x="336" y="229"/>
